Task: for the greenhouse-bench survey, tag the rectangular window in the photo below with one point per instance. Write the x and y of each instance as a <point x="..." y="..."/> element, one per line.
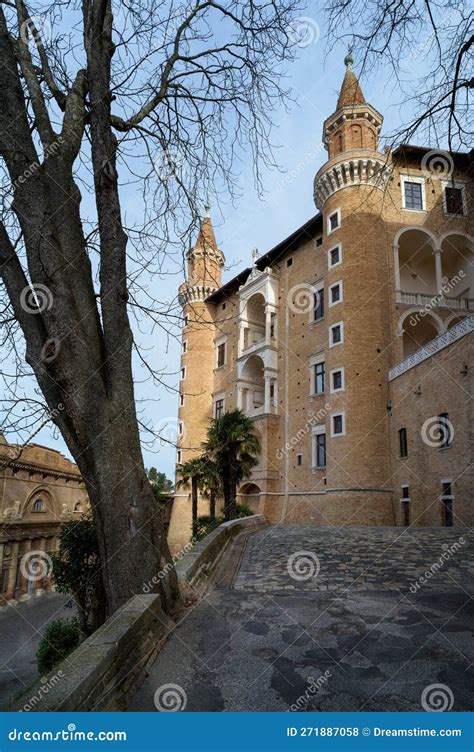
<point x="180" y="428"/>
<point x="178" y="456"/>
<point x="413" y="195"/>
<point x="319" y="370"/>
<point x="221" y="355"/>
<point x="405" y="493"/>
<point x="319" y="241"/>
<point x="319" y="304"/>
<point x="447" y="499"/>
<point x="183" y="372"/>
<point x="454" y="200"/>
<point x="335" y="294"/>
<point x="299" y="459"/>
<point x="219" y="408"/>
<point x="337" y="380"/>
<point x="334" y="221"/>
<point x="321" y="450"/>
<point x="445" y="431"/>
<point x="185" y="346"/>
<point x="336" y="334"/>
<point x="402" y="437"/>
<point x="181" y="400"/>
<point x="337" y="424"/>
<point x="334" y="256"/>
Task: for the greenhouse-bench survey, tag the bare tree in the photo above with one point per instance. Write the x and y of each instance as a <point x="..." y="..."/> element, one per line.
<point x="427" y="45"/>
<point x="158" y="94"/>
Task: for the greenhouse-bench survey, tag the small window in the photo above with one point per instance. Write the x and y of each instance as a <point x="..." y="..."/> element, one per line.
<point x="319" y="304"/>
<point x="445" y="430"/>
<point x="334" y="221"/>
<point x="336" y="334"/>
<point x="181" y="400"/>
<point x="221" y="355"/>
<point x="224" y="306"/>
<point x="219" y="408"/>
<point x="403" y="441"/>
<point x="335" y="294"/>
<point x="299" y="459"/>
<point x="289" y="262"/>
<point x="319" y="370"/>
<point x="454" y="200"/>
<point x="180" y="428"/>
<point x="337" y="380"/>
<point x="319" y="448"/>
<point x="319" y="241"/>
<point x="185" y="346"/>
<point x="183" y="372"/>
<point x="78" y="507"/>
<point x="413" y="195"/>
<point x="186" y="320"/>
<point x="405" y="493"/>
<point x="334" y="256"/>
<point x="37" y="505"/>
<point x="178" y="456"/>
<point x="447" y="499"/>
<point x="337" y="424"/>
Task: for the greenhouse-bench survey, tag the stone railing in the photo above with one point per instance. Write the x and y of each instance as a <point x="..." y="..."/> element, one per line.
<point x="439" y="343"/>
<point x="434" y="301"/>
<point x="354" y="171"/>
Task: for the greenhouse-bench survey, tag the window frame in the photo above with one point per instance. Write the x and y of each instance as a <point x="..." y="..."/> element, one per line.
<point x="333" y="326"/>
<point x="419" y="180"/>
<point x="341" y="414"/>
<point x="338" y="246"/>
<point x="221" y="346"/>
<point x="403" y="445"/>
<point x="319" y="430"/>
<point x="342" y="388"/>
<point x="340" y="285"/>
<point x="40" y="508"/>
<point x="321" y="298"/>
<point x="447" y="444"/>
<point x="336" y="212"/>
<point x="459" y="185"/>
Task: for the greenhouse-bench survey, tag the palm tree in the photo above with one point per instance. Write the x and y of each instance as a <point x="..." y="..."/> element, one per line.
<point x="234" y="447"/>
<point x="211" y="482"/>
<point x="192" y="471"/>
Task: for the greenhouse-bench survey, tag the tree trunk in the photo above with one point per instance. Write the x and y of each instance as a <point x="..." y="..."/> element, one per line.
<point x="230" y="490"/>
<point x="212" y="504"/>
<point x="194" y="497"/>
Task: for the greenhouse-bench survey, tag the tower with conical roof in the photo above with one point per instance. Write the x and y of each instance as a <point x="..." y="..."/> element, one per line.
<point x="349" y="190"/>
<point x="204" y="267"/>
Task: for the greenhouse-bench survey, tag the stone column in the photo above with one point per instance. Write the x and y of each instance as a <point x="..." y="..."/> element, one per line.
<point x="438" y="270"/>
<point x="268" y="324"/>
<point x="267" y="394"/>
<point x="396" y="267"/>
<point x="11" y="582"/>
<point x="39" y="589"/>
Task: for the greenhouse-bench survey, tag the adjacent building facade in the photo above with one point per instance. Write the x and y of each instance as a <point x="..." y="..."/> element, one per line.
<point x="39" y="489"/>
<point x="349" y="343"/>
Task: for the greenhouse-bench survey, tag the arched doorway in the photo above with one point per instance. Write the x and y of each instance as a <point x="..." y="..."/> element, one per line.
<point x="419" y="327"/>
<point x="249" y="496"/>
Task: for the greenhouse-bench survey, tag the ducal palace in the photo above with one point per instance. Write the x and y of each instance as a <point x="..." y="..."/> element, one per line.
<point x="349" y="343"/>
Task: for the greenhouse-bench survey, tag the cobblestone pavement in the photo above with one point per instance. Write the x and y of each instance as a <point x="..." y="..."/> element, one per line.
<point x="350" y="634"/>
<point x="304" y="557"/>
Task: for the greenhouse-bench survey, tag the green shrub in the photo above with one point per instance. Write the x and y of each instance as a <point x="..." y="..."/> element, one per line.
<point x="60" y="638"/>
<point x="243" y="510"/>
<point x="206" y="525"/>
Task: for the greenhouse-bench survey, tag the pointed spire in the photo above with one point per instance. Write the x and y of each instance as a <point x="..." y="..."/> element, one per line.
<point x="351" y="93"/>
<point x="206" y="239"/>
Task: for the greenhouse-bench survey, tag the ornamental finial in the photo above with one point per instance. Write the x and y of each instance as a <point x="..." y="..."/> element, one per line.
<point x="255" y="255"/>
<point x="207" y="207"/>
<point x="349" y="60"/>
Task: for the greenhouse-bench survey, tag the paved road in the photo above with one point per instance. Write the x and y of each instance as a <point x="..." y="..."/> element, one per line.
<point x="21" y="628"/>
<point x="329" y="619"/>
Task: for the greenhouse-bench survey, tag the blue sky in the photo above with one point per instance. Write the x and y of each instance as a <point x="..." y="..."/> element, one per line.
<point x="315" y="79"/>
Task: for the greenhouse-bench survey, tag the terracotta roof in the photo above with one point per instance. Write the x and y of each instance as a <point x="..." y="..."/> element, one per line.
<point x="206" y="238"/>
<point x="351" y="93"/>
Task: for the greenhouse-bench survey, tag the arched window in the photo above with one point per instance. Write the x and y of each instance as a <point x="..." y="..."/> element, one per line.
<point x="356" y="131"/>
<point x="78" y="507"/>
<point x="37" y="505"/>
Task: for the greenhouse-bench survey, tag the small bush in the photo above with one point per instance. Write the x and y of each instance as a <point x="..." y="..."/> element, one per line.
<point x="206" y="525"/>
<point x="60" y="638"/>
<point x="243" y="510"/>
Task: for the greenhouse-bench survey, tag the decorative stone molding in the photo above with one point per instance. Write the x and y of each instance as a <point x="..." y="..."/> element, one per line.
<point x="350" y="171"/>
<point x="436" y="301"/>
<point x="194" y="293"/>
<point x="439" y="343"/>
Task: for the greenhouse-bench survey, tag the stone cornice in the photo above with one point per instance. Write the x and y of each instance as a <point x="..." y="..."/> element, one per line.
<point x="6" y="462"/>
<point x="194" y="293"/>
<point x="359" y="168"/>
